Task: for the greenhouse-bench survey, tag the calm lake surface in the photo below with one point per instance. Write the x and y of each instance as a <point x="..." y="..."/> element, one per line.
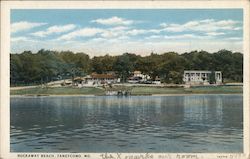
<point x="188" y="123"/>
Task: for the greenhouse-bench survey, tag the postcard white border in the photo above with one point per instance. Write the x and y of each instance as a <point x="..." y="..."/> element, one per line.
<point x="5" y="73"/>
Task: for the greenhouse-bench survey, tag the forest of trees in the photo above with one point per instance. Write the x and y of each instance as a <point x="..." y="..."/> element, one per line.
<point x="35" y="68"/>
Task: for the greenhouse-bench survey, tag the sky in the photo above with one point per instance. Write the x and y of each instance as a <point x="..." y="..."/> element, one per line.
<point x="116" y="31"/>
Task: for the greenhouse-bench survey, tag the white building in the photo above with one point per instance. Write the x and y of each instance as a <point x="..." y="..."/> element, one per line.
<point x="100" y="79"/>
<point x="157" y="80"/>
<point x="138" y="77"/>
<point x="199" y="77"/>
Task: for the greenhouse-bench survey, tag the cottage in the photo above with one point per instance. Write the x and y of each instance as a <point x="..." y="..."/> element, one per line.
<point x="197" y="77"/>
<point x="78" y="81"/>
<point x="138" y="77"/>
<point x="101" y="79"/>
<point x="157" y="80"/>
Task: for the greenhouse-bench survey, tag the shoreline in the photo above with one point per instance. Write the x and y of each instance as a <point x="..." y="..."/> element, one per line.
<point x="54" y="95"/>
<point x="190" y="94"/>
<point x="132" y="91"/>
<point x="153" y="95"/>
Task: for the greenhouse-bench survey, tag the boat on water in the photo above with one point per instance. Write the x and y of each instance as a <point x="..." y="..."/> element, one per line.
<point x="118" y="93"/>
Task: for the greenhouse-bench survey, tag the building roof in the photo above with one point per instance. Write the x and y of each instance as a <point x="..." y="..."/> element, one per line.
<point x="102" y="76"/>
<point x="137" y="72"/>
<point x="78" y="79"/>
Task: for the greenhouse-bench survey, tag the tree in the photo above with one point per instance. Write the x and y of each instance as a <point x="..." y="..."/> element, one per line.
<point x="212" y="79"/>
<point x="124" y="65"/>
<point x="103" y="64"/>
<point x="173" y="67"/>
<point x="46" y="65"/>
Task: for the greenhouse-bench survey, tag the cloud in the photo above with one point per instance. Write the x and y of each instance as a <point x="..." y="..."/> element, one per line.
<point x="136" y="32"/>
<point x="85" y="32"/>
<point x="164" y="25"/>
<point x="143" y="31"/>
<point x="119" y="36"/>
<point x="186" y="37"/>
<point x="55" y="29"/>
<point x="108" y="33"/>
<point x="125" y="31"/>
<point x="116" y="46"/>
<point x="153" y="37"/>
<point x="24" y="25"/>
<point x="206" y="25"/>
<point x="215" y="33"/>
<point x="238" y="28"/>
<point x="21" y="39"/>
<point x="17" y="39"/>
<point x="113" y="21"/>
<point x="235" y="38"/>
<point x="114" y="32"/>
<point x="119" y="28"/>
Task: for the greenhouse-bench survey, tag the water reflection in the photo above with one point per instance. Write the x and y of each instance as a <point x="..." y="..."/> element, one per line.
<point x="191" y="123"/>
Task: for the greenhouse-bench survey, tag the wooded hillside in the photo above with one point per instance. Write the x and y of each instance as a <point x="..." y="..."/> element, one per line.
<point x="35" y="68"/>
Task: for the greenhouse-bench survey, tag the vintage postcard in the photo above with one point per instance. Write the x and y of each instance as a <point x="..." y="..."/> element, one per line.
<point x="125" y="79"/>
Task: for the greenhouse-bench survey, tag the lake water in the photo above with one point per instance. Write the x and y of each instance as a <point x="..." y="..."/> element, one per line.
<point x="188" y="123"/>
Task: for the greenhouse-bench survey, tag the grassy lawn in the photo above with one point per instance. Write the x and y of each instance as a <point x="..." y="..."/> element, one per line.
<point x="58" y="91"/>
<point x="215" y="90"/>
<point x="192" y="90"/>
<point x="155" y="90"/>
<point x="137" y="90"/>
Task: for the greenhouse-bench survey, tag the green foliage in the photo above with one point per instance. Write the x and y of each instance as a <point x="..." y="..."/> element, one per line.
<point x="143" y="90"/>
<point x="124" y="65"/>
<point x="103" y="64"/>
<point x="44" y="66"/>
<point x="212" y="78"/>
<point x="58" y="91"/>
<point x="34" y="68"/>
<point x="173" y="67"/>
